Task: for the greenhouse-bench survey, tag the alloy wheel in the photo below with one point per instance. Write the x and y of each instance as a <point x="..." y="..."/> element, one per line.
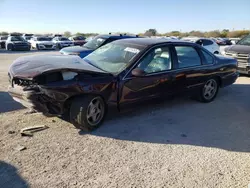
<point x="210" y="89"/>
<point x="95" y="111"/>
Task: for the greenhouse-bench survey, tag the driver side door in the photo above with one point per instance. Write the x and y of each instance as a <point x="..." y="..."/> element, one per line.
<point x="156" y="80"/>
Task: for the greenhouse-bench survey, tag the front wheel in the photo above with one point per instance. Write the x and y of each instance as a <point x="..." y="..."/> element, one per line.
<point x="87" y="112"/>
<point x="10" y="47"/>
<point x="59" y="46"/>
<point x="209" y="91"/>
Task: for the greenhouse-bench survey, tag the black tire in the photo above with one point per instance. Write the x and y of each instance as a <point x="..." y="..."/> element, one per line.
<point x="203" y="94"/>
<point x="80" y="109"/>
<point x="10" y="47"/>
<point x="59" y="46"/>
<point x="37" y="47"/>
<point x="2" y="45"/>
<point x="216" y="52"/>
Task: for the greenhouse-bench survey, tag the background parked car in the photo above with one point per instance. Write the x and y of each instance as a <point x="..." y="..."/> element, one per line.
<point x="17" y="43"/>
<point x="56" y="35"/>
<point x="42" y="42"/>
<point x="207" y="43"/>
<point x="62" y="42"/>
<point x="241" y="52"/>
<point x="93" y="44"/>
<point x="2" y="41"/>
<point x="27" y="37"/>
<point x="78" y="40"/>
<point x="223" y="41"/>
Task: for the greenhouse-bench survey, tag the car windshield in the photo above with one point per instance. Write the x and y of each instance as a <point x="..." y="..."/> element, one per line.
<point x="79" y="38"/>
<point x="95" y="43"/>
<point x="17" y="38"/>
<point x="245" y="41"/>
<point x="113" y="57"/>
<point x="28" y="38"/>
<point x="44" y="39"/>
<point x="4" y="38"/>
<point x="63" y="39"/>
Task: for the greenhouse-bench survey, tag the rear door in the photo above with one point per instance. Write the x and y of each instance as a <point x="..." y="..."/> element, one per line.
<point x="189" y="73"/>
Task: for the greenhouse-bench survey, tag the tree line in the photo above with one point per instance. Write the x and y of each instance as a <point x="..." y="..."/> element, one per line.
<point x="153" y="32"/>
<point x="216" y="33"/>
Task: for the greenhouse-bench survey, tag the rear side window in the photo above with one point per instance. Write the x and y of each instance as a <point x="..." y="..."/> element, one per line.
<point x="207" y="42"/>
<point x="209" y="59"/>
<point x="187" y="56"/>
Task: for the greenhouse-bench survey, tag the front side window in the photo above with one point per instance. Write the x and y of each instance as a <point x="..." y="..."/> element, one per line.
<point x="156" y="60"/>
<point x="113" y="57"/>
<point x="187" y="56"/>
<point x="209" y="59"/>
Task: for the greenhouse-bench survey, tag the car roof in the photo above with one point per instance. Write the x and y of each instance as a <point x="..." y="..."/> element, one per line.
<point x="151" y="41"/>
<point x="117" y="36"/>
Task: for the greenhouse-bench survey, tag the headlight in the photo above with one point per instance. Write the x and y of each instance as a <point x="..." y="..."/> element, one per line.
<point x="68" y="75"/>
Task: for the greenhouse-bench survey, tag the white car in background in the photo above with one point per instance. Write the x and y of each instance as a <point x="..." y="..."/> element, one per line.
<point x="42" y="43"/>
<point x="62" y="42"/>
<point x="207" y="43"/>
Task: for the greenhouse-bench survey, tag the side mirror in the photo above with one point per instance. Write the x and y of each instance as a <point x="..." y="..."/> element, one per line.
<point x="137" y="72"/>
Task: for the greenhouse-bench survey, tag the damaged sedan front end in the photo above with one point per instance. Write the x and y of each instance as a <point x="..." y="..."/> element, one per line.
<point x="46" y="84"/>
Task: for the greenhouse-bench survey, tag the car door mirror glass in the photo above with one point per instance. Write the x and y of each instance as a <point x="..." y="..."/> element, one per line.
<point x="137" y="72"/>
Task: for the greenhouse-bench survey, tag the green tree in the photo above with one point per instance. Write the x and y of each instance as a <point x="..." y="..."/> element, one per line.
<point x="4" y="33"/>
<point x="67" y="34"/>
<point x="150" y="32"/>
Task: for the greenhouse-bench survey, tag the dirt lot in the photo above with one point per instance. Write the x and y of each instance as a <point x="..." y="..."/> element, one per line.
<point x="179" y="143"/>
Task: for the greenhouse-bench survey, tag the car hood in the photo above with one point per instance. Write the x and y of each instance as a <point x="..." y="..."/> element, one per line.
<point x="29" y="67"/>
<point x="238" y="49"/>
<point x="20" y="42"/>
<point x="76" y="49"/>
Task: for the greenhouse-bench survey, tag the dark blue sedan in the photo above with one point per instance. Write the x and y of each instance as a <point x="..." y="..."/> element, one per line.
<point x="93" y="44"/>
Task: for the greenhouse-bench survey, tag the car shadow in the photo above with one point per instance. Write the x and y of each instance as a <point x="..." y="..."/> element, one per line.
<point x="223" y="123"/>
<point x="7" y="103"/>
<point x="9" y="177"/>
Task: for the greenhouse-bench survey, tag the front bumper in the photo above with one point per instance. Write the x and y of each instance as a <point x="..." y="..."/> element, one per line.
<point x="66" y="45"/>
<point x="21" y="47"/>
<point x="35" y="99"/>
<point x="244" y="70"/>
<point x="47" y="47"/>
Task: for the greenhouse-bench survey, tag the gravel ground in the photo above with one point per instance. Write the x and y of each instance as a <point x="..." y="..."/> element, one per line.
<point x="178" y="143"/>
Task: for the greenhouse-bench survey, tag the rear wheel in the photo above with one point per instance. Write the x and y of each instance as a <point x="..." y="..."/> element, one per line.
<point x="37" y="47"/>
<point x="216" y="52"/>
<point x="209" y="91"/>
<point x="88" y="112"/>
